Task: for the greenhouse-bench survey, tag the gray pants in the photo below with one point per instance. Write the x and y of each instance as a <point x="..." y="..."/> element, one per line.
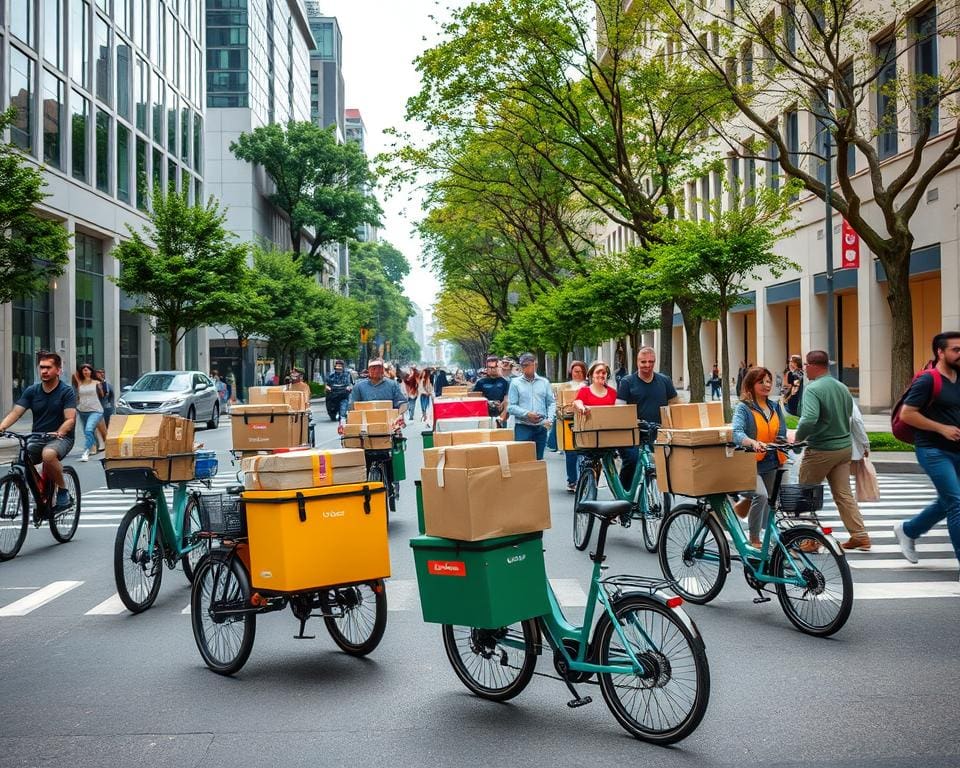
<point x="760" y="503"/>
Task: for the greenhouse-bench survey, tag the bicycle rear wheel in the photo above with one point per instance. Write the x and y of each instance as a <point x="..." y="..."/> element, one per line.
<point x="14" y="511"/>
<point x="364" y="617"/>
<point x="191" y="524"/>
<point x="495" y="664"/>
<point x="692" y="555"/>
<point x="822" y="604"/>
<point x="667" y="701"/>
<point x="224" y="638"/>
<point x="586" y="490"/>
<point x="375" y="474"/>
<point x="63" y="524"/>
<point x="655" y="510"/>
<point x="137" y="573"/>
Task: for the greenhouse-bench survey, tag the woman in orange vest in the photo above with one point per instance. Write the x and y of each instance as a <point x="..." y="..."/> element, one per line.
<point x="758" y="421"/>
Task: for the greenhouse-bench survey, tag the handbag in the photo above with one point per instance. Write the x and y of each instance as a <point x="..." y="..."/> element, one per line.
<point x="865" y="475"/>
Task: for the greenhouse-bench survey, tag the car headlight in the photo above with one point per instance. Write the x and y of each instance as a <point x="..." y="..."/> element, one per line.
<point x="122" y="403"/>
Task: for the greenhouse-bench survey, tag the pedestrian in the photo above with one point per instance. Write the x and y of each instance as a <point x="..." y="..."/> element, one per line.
<point x="595" y="393"/>
<point x="439" y="382"/>
<point x="390" y="371"/>
<point x="89" y="394"/>
<point x="495" y="389"/>
<point x="221" y="387"/>
<point x="411" y="388"/>
<point x="757" y="422"/>
<point x="621" y="374"/>
<point x="741" y="372"/>
<point x="506" y="367"/>
<point x="297" y="384"/>
<point x="936" y="419"/>
<point x="231" y="386"/>
<point x="793" y="386"/>
<point x="576" y="380"/>
<point x="715" y="383"/>
<point x="825" y="426"/>
<point x="649" y="391"/>
<point x="107" y="401"/>
<point x="459" y="379"/>
<point x="532" y="404"/>
<point x="425" y="387"/>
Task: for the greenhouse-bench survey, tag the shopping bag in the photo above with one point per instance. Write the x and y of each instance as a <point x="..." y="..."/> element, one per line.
<point x="866" y="476"/>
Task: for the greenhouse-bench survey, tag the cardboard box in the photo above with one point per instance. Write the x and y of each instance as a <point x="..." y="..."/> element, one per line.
<point x="304" y="469"/>
<point x="707" y="436"/>
<point x="355" y="436"/>
<point x="471" y="393"/>
<point x="277" y="396"/>
<point x="704" y="470"/>
<point x="455" y="391"/>
<point x="463" y="425"/>
<point x="379" y="416"/>
<point x="169" y="470"/>
<point x="373" y="405"/>
<point x="606" y="426"/>
<point x="477" y="492"/>
<point x="565" y="398"/>
<point x="459" y="408"/>
<point x="469" y="436"/>
<point x="692" y="415"/>
<point x="265" y="427"/>
<point x="148" y="435"/>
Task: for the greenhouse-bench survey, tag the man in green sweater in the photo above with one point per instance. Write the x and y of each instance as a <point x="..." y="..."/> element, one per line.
<point x="825" y="425"/>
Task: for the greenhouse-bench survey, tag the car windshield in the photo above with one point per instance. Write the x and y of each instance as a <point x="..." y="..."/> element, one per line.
<point x="163" y="382"/>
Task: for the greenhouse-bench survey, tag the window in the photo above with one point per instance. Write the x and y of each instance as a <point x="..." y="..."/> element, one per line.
<point x="103" y="151"/>
<point x="154" y="30"/>
<point x="89" y="298"/>
<point x="184" y="133"/>
<point x="733" y="178"/>
<point x="123" y="163"/>
<point x="171" y="176"/>
<point x="142" y="190"/>
<point x="102" y="62"/>
<point x="847" y="75"/>
<point x="773" y="166"/>
<point x="123" y="79"/>
<point x="80" y="115"/>
<point x="157" y="108"/>
<point x="926" y="70"/>
<point x="823" y="149"/>
<point x="172" y="109"/>
<point x="79" y="19"/>
<point x="121" y="15"/>
<point x="792" y="123"/>
<point x="142" y="96"/>
<point x="749" y="177"/>
<point x="140" y="24"/>
<point x="22" y="20"/>
<point x="705" y="197"/>
<point x="747" y="59"/>
<point x="790" y="25"/>
<point x="21" y="98"/>
<point x="52" y="118"/>
<point x="197" y="142"/>
<point x="887" y="99"/>
<point x="52" y="32"/>
<point x="157" y="172"/>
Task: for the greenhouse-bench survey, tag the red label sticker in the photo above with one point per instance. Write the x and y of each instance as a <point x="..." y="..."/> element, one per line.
<point x="446" y="568"/>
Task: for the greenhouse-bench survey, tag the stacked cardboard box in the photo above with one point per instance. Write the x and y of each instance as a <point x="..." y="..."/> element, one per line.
<point x="370" y="428"/>
<point x="606" y="426"/>
<point x="565" y="396"/>
<point x="296" y="399"/>
<point x="295" y="470"/>
<point x="163" y="443"/>
<point x="483" y="491"/>
<point x="266" y="426"/>
<point x="470" y="436"/>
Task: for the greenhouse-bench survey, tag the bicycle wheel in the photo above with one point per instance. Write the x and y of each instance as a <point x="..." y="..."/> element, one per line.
<point x="495" y="664"/>
<point x="364" y="617"/>
<point x="656" y="509"/>
<point x="14" y="511"/>
<point x="63" y="524"/>
<point x="822" y="604"/>
<point x="667" y="701"/>
<point x="375" y="474"/>
<point x="137" y="574"/>
<point x="692" y="554"/>
<point x="224" y="641"/>
<point x="191" y="524"/>
<point x="586" y="490"/>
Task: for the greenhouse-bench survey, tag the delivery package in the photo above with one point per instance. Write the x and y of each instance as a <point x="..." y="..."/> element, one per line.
<point x="456" y="391"/>
<point x="462" y="425"/>
<point x="266" y="427"/>
<point x="373" y="405"/>
<point x="701" y="470"/>
<point x="358" y="436"/>
<point x="379" y="421"/>
<point x="468" y="436"/>
<point x="296" y="399"/>
<point x="459" y="407"/>
<point x="483" y="491"/>
<point x="565" y="397"/>
<point x="294" y="470"/>
<point x="692" y="415"/>
<point x="160" y="443"/>
<point x="606" y="426"/>
<point x="708" y="436"/>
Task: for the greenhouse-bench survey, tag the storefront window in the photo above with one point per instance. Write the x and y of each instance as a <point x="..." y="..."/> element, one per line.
<point x="89" y="298"/>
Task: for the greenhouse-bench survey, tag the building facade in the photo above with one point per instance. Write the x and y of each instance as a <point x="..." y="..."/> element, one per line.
<point x="327" y="87"/>
<point x="109" y="99"/>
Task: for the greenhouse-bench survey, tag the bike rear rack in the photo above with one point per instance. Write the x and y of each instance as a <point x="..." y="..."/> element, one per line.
<point x="616" y="585"/>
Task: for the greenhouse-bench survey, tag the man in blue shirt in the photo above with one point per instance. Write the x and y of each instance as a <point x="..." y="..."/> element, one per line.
<point x="532" y="403"/>
<point x="378" y="387"/>
<point x="494" y="388"/>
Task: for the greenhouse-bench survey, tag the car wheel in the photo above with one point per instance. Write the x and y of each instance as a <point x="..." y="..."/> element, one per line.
<point x="214" y="417"/>
<point x="191" y="414"/>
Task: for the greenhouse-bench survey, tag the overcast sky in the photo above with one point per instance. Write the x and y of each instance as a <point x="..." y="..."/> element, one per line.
<point x="380" y="40"/>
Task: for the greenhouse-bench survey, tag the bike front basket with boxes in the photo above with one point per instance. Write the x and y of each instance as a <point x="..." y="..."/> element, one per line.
<point x="487" y="584"/>
<point x="222" y="514"/>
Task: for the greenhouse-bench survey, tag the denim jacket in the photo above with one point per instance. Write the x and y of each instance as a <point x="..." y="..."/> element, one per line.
<point x="745" y="426"/>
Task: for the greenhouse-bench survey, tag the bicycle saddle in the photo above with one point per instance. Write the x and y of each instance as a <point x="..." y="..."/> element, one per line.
<point x="605" y="510"/>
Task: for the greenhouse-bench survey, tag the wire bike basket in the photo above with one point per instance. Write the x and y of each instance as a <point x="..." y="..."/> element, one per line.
<point x="800" y="499"/>
<point x="222" y="514"/>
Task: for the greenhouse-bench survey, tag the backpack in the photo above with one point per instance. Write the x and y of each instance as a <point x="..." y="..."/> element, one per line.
<point x="902" y="430"/>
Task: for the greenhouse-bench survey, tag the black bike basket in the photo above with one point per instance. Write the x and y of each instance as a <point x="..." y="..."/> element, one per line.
<point x="222" y="514"/>
<point x="800" y="499"/>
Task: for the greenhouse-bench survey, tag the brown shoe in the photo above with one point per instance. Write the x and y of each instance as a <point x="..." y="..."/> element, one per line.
<point x="809" y="546"/>
<point x="742" y="508"/>
<point x="861" y="542"/>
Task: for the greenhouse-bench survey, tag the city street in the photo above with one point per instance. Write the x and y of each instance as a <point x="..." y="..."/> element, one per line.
<point x="84" y="683"/>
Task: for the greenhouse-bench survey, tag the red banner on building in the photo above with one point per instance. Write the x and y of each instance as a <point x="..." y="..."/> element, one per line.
<point x="850" y="252"/>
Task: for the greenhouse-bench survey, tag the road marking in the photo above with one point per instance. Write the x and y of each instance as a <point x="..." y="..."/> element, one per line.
<point x="41" y="597"/>
<point x="185" y="611"/>
<point x="109" y="607"/>
<point x="898" y="590"/>
<point x="901" y="514"/>
<point x="929" y="564"/>
<point x="569" y="593"/>
<point x="894" y="549"/>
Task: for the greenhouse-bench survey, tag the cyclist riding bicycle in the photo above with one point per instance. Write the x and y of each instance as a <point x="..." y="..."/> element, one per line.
<point x="595" y="393"/>
<point x="54" y="408"/>
<point x="649" y="391"/>
<point x="339" y="385"/>
<point x="378" y="387"/>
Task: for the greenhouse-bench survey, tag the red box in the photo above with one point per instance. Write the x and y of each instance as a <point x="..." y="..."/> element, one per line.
<point x="473" y="407"/>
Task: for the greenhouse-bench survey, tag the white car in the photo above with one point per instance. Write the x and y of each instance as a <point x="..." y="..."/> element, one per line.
<point x="190" y="394"/>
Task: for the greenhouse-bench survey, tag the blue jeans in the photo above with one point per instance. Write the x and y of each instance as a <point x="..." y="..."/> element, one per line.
<point x="943" y="468"/>
<point x="411" y="407"/>
<point x="532" y="433"/>
<point x="90" y="421"/>
<point x="552" y="437"/>
<point x="424" y="405"/>
<point x="572" y="458"/>
<point x="629" y="457"/>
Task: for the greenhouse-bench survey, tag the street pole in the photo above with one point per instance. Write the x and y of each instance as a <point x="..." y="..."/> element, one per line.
<point x="828" y="234"/>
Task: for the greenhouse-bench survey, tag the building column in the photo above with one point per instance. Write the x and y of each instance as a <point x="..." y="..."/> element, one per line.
<point x="737" y="344"/>
<point x="65" y="308"/>
<point x="6" y="357"/>
<point x="111" y="311"/>
<point x="769" y="335"/>
<point x="876" y="330"/>
<point x="813" y="317"/>
<point x="203" y="349"/>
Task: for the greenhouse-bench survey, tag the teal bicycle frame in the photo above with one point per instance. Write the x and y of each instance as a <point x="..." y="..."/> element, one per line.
<point x="171" y="522"/>
<point x="608" y="463"/>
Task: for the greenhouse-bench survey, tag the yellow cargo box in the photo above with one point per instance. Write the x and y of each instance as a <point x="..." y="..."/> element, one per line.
<point x="317" y="537"/>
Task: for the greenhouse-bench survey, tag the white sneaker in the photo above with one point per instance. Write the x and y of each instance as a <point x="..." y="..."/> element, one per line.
<point x="86" y="456"/>
<point x="907" y="545"/>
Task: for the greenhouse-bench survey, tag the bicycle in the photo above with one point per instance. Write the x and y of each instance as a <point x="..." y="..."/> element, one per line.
<point x="647" y="654"/>
<point x="15" y="504"/>
<point x="647" y="503"/>
<point x="380" y="463"/>
<point x="798" y="557"/>
<point x="152" y="532"/>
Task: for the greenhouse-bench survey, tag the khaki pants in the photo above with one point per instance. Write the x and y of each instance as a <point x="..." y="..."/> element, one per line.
<point x="834" y="467"/>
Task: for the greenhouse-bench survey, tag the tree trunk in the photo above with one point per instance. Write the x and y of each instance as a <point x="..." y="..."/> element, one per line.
<point x="725" y="366"/>
<point x="897" y="267"/>
<point x="691" y="328"/>
<point x="665" y="355"/>
<point x="173" y="343"/>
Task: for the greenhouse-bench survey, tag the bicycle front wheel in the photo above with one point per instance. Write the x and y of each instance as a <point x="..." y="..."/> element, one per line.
<point x="583" y="521"/>
<point x="360" y="617"/>
<point x="137" y="571"/>
<point x="14" y="511"/>
<point x="63" y="524"/>
<point x="200" y="547"/>
<point x="655" y="509"/>
<point x="495" y="664"/>
<point x="667" y="700"/>
<point x="224" y="625"/>
<point x="692" y="555"/>
<point x="821" y="604"/>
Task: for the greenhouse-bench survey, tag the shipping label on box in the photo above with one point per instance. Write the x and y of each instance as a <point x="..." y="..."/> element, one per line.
<point x="704" y="470"/>
<point x="468" y="436"/>
<point x="692" y="415"/>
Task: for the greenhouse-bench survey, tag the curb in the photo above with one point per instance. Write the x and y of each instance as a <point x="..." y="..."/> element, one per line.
<point x="896" y="467"/>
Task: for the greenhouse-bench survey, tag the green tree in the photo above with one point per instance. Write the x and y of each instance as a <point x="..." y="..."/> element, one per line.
<point x="376" y="272"/>
<point x="462" y="318"/>
<point x="33" y="250"/>
<point x="182" y="269"/>
<point x="321" y="185"/>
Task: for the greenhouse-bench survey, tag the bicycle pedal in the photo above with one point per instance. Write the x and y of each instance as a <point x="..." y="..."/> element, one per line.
<point x="579" y="702"/>
<point x="761" y="599"/>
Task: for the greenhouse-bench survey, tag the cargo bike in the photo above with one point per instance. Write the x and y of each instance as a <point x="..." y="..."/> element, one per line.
<point x="321" y="551"/>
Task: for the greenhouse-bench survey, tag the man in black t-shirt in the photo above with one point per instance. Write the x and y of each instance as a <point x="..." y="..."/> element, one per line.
<point x="649" y="391"/>
<point x="54" y="408"/>
<point x="495" y="389"/>
<point x="936" y="420"/>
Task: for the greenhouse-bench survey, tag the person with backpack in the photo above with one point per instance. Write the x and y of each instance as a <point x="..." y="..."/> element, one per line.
<point x="931" y="407"/>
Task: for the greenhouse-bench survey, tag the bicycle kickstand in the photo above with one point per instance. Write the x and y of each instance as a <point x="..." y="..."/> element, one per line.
<point x="578" y="700"/>
<point x="301" y="636"/>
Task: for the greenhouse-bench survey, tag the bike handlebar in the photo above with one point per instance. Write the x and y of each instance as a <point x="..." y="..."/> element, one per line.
<point x="23" y="437"/>
<point x="782" y="447"/>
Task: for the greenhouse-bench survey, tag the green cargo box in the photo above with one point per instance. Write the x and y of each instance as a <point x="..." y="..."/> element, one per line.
<point x="398" y="459"/>
<point x="485" y="584"/>
<point x="420" y="524"/>
<point x="427" y="439"/>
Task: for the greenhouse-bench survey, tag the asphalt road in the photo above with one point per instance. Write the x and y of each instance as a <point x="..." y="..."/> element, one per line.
<point x="79" y="689"/>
